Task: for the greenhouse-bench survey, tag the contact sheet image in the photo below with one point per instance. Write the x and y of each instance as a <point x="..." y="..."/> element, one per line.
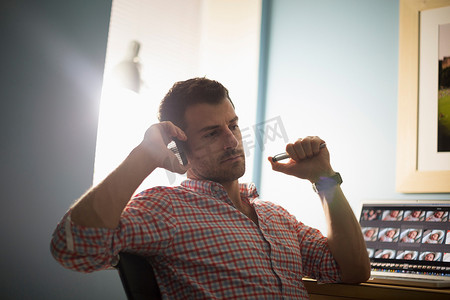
<point x="385" y="253"/>
<point x="371" y="214"/>
<point x="430" y="256"/>
<point x="392" y="215"/>
<point x="407" y="241"/>
<point x="388" y="234"/>
<point x="411" y="235"/>
<point x="399" y="234"/>
<point x="414" y="215"/>
<point x="435" y="236"/>
<point x="370" y="234"/>
<point x="437" y="216"/>
<point x="407" y="254"/>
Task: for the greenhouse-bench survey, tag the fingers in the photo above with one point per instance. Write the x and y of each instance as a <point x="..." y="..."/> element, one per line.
<point x="173" y="131"/>
<point x="163" y="132"/>
<point x="172" y="162"/>
<point x="304" y="148"/>
<point x="307" y="159"/>
<point x="276" y="166"/>
<point x="155" y="143"/>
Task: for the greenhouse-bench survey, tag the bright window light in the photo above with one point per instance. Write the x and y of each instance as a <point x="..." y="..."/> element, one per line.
<point x="124" y="117"/>
<point x="179" y="40"/>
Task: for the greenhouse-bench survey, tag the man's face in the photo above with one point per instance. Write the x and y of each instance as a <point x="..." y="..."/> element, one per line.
<point x="215" y="150"/>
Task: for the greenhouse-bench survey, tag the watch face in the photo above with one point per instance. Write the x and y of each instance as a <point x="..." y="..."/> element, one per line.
<point x="315" y="188"/>
<point x="325" y="183"/>
<point x="338" y="178"/>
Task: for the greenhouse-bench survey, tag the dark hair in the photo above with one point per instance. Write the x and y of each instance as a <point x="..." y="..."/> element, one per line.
<point x="186" y="93"/>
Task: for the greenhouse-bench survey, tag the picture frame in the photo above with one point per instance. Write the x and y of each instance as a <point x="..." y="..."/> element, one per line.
<point x="409" y="179"/>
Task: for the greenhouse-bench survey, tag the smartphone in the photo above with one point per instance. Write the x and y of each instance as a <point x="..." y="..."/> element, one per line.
<point x="177" y="147"/>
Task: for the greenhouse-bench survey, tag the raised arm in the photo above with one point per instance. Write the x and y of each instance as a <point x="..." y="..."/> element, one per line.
<point x="346" y="242"/>
<point x="103" y="204"/>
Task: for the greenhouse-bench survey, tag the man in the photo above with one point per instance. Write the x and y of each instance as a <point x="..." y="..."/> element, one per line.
<point x="212" y="237"/>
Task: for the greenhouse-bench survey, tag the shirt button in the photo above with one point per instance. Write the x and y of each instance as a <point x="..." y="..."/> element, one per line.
<point x="216" y="188"/>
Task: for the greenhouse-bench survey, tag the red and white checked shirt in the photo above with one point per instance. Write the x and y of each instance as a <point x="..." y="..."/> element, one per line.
<point x="202" y="247"/>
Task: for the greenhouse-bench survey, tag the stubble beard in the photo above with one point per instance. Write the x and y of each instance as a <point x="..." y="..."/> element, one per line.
<point x="214" y="169"/>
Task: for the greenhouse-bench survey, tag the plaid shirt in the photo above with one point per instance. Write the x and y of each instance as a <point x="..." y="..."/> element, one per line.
<point x="202" y="247"/>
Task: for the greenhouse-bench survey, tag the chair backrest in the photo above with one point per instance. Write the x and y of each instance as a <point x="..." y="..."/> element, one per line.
<point x="138" y="278"/>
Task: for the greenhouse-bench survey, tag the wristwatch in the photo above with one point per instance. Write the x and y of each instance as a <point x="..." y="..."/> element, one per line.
<point x="324" y="183"/>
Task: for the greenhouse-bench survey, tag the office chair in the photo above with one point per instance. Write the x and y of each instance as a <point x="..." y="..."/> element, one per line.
<point x="138" y="279"/>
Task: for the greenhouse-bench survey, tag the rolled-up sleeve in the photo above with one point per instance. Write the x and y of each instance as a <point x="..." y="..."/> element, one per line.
<point x="317" y="259"/>
<point x="81" y="248"/>
<point x="146" y="226"/>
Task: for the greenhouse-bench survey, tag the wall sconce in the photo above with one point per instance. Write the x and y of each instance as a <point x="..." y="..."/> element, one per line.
<point x="128" y="72"/>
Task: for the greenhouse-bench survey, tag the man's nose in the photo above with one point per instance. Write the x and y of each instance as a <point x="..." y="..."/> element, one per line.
<point x="231" y="142"/>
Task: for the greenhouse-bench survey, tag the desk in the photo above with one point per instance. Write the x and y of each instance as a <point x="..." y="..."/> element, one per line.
<point x="371" y="291"/>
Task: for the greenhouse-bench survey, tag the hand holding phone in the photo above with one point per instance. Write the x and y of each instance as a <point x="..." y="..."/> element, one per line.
<point x="177" y="147"/>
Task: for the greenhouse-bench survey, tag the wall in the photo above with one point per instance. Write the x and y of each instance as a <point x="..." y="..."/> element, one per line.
<point x="333" y="73"/>
<point x="52" y="60"/>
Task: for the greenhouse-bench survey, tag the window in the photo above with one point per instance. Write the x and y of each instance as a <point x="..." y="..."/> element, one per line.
<point x="179" y="39"/>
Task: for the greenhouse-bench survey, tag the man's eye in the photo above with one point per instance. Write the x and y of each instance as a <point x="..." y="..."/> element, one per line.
<point x="234" y="127"/>
<point x="210" y="134"/>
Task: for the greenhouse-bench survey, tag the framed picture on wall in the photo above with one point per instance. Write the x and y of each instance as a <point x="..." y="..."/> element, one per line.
<point x="423" y="157"/>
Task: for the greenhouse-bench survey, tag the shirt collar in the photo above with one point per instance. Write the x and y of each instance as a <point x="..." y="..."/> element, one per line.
<point x="248" y="190"/>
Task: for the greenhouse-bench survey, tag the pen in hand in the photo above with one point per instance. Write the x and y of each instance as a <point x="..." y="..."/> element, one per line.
<point x="284" y="155"/>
